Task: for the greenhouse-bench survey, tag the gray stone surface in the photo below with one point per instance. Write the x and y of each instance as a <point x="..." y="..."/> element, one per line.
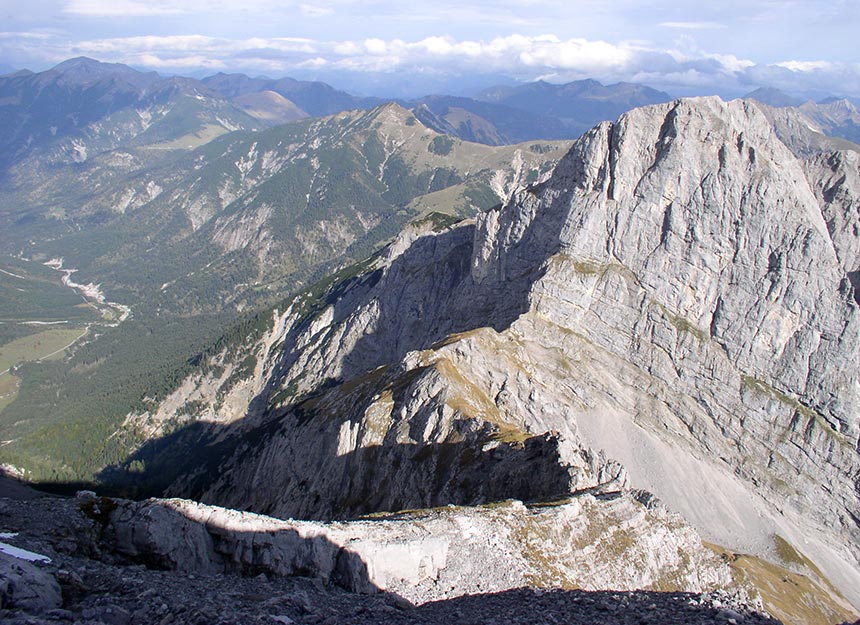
<point x="452" y="564"/>
<point x="25" y="586"/>
<point x="434" y="554"/>
<point x="678" y="298"/>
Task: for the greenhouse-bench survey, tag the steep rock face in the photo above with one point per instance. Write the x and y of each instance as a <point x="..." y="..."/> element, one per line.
<point x="688" y="248"/>
<point x="835" y="179"/>
<point x="713" y="219"/>
<point x="677" y="297"/>
<point x="392" y="441"/>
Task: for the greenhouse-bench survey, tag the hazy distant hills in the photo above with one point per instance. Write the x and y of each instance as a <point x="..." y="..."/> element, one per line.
<point x="835" y="117"/>
<point x="579" y="104"/>
<point x="317" y="99"/>
<point x="269" y="106"/>
<point x="499" y="115"/>
<point x="486" y="122"/>
<point x="82" y="106"/>
<point x="103" y="105"/>
<point x="773" y="97"/>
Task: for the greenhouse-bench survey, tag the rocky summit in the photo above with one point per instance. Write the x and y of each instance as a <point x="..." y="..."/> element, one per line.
<point x="674" y="310"/>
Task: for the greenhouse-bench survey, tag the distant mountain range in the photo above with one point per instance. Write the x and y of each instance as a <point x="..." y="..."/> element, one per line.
<point x="82" y="106"/>
<point x="837" y="117"/>
<point x="106" y="105"/>
<point x="580" y="104"/>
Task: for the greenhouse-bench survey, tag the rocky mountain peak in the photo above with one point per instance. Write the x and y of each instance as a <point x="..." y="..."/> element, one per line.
<point x="672" y="310"/>
<point x="708" y="211"/>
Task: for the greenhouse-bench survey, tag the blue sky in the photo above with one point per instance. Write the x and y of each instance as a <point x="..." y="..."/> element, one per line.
<point x="730" y="47"/>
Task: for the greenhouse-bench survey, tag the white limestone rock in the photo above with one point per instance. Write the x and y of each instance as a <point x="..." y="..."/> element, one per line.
<point x="679" y="297"/>
<point x="434" y="554"/>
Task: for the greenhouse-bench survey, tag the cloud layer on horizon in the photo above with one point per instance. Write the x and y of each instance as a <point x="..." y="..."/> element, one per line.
<point x="520" y="56"/>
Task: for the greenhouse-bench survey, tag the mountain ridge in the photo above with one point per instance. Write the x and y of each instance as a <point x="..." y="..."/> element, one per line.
<point x="193" y="242"/>
<point x="579" y="104"/>
<point x="671" y="363"/>
<point x="679" y="298"/>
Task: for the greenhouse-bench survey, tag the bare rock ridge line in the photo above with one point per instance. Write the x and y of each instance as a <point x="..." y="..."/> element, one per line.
<point x="675" y="309"/>
<point x="427" y="555"/>
<point x="116" y="561"/>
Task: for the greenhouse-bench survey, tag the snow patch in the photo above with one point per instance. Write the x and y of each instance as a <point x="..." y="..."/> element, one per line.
<point x="21" y="554"/>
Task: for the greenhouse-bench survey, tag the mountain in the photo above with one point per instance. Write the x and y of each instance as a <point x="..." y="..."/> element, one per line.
<point x="82" y="107"/>
<point x="270" y="107"/>
<point x="579" y="104"/>
<point x="488" y="123"/>
<point x="773" y="97"/>
<point x="468" y="119"/>
<point x="672" y="310"/>
<point x="502" y="115"/>
<point x="668" y="324"/>
<point x="798" y="130"/>
<point x="317" y="99"/>
<point x="264" y="203"/>
<point x="193" y="242"/>
<point x="834" y="117"/>
<point x="82" y="71"/>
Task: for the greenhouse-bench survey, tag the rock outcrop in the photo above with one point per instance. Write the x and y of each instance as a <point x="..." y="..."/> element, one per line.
<point x="433" y="554"/>
<point x="679" y="297"/>
<point x="119" y="562"/>
<point x="24" y="586"/>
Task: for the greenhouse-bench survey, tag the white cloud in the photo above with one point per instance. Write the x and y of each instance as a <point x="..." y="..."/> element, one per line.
<point x="121" y="8"/>
<point x="375" y="46"/>
<point x="179" y="64"/>
<point x="312" y="10"/>
<point x="25" y="36"/>
<point x="592" y="57"/>
<point x="730" y="63"/>
<point x="682" y="69"/>
<point x="806" y="66"/>
<point x="693" y="25"/>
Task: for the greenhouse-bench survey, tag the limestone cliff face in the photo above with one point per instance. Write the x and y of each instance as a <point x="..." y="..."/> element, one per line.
<point x="835" y="179"/>
<point x="680" y="297"/>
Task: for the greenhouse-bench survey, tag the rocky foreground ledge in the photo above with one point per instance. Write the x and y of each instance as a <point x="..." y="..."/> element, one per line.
<point x="172" y="561"/>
